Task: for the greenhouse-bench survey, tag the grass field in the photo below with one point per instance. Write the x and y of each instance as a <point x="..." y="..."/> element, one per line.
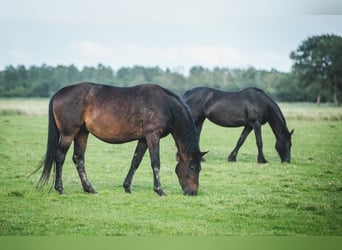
<point x="242" y="198"/>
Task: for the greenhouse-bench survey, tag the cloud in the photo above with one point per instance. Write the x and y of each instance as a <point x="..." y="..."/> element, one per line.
<point x="93" y="52"/>
<point x="16" y="54"/>
<point x="89" y="49"/>
<point x="90" y="52"/>
<point x="213" y="56"/>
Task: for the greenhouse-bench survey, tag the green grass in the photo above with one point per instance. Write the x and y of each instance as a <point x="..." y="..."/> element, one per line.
<point x="242" y="198"/>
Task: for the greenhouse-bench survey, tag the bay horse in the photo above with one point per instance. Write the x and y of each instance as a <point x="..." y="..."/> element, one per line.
<point x="250" y="108"/>
<point x="115" y="115"/>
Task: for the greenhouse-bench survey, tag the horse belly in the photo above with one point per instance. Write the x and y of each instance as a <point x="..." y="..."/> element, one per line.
<point x="114" y="130"/>
<point x="226" y="118"/>
<point x="222" y="121"/>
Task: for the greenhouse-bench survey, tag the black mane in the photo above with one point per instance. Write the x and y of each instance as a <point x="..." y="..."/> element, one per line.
<point x="188" y="136"/>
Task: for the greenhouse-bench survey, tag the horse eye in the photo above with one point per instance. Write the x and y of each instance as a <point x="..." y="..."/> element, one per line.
<point x="192" y="167"/>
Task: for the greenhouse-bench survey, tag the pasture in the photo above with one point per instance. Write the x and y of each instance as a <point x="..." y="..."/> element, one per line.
<point x="240" y="198"/>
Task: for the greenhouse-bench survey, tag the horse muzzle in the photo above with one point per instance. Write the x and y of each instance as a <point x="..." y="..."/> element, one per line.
<point x="190" y="192"/>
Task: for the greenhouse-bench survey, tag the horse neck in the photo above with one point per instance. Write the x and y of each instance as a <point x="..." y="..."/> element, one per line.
<point x="277" y="121"/>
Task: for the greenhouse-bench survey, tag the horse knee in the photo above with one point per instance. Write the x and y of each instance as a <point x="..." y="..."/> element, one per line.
<point x="75" y="159"/>
<point x="78" y="160"/>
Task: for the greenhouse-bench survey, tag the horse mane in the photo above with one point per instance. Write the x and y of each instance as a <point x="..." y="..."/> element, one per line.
<point x="180" y="101"/>
<point x="189" y="138"/>
<point x="274" y="106"/>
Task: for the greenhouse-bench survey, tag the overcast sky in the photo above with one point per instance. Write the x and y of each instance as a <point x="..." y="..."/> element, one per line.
<point x="176" y="34"/>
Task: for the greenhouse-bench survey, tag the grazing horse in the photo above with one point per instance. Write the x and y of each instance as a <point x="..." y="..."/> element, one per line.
<point x="250" y="108"/>
<point x="144" y="113"/>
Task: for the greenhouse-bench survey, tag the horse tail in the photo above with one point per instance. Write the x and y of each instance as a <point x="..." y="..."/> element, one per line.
<point x="49" y="160"/>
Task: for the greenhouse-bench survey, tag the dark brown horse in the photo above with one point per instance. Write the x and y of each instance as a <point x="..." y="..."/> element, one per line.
<point x="144" y="113"/>
<point x="250" y="108"/>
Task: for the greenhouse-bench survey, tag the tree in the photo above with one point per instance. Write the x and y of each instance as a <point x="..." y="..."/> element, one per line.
<point x="335" y="73"/>
<point x="317" y="62"/>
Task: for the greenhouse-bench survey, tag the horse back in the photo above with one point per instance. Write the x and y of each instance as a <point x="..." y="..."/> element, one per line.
<point x="113" y="114"/>
<point x="228" y="108"/>
<point x="237" y="108"/>
<point x="196" y="99"/>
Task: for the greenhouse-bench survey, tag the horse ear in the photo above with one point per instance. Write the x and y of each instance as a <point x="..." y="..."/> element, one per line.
<point x="203" y="153"/>
<point x="291" y="133"/>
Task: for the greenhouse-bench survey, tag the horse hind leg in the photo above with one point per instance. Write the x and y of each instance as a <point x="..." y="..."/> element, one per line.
<point x="80" y="144"/>
<point x="245" y="132"/>
<point x="63" y="148"/>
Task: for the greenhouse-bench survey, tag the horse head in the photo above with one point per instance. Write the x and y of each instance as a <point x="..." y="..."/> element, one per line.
<point x="187" y="170"/>
<point x="283" y="146"/>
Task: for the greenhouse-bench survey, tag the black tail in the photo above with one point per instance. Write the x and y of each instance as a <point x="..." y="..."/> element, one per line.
<point x="49" y="160"/>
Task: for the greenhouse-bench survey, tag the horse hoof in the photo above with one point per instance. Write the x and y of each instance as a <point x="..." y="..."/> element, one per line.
<point x="60" y="190"/>
<point x="160" y="192"/>
<point x="232" y="159"/>
<point x="127" y="188"/>
<point x="90" y="190"/>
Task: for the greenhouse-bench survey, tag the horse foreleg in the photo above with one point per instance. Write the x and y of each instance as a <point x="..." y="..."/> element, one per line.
<point x="80" y="144"/>
<point x="245" y="132"/>
<point x="63" y="148"/>
<point x="199" y="125"/>
<point x="137" y="157"/>
<point x="257" y="131"/>
<point x="153" y="146"/>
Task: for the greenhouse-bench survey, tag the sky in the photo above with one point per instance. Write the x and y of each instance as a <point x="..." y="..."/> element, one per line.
<point x="174" y="34"/>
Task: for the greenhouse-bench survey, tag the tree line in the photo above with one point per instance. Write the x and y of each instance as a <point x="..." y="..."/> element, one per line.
<point x="43" y="81"/>
<point x="316" y="76"/>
